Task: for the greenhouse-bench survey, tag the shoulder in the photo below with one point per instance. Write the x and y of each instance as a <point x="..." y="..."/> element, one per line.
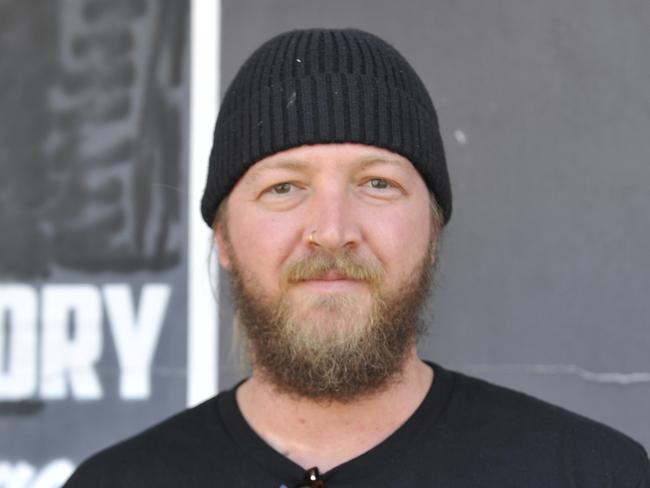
<point x="481" y="400"/>
<point x="165" y="454"/>
<point x="531" y="429"/>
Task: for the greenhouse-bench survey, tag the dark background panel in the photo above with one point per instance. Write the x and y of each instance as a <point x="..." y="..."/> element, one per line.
<point x="93" y="189"/>
<point x="90" y="135"/>
<point x="543" y="276"/>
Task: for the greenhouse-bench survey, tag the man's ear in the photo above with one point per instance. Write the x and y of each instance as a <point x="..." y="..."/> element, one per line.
<point x="225" y="260"/>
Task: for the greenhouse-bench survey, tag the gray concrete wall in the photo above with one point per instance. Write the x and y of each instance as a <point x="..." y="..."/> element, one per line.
<point x="544" y="274"/>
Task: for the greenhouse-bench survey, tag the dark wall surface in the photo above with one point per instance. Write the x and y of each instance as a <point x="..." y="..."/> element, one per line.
<point x="93" y="144"/>
<point x="544" y="274"/>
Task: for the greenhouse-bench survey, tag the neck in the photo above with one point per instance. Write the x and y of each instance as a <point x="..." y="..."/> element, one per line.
<point x="325" y="434"/>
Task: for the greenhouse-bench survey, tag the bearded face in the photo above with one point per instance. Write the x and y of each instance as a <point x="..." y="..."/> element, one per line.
<point x="331" y="347"/>
<point x="330" y="248"/>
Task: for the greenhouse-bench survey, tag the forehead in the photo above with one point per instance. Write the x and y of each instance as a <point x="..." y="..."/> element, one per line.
<point x="332" y="157"/>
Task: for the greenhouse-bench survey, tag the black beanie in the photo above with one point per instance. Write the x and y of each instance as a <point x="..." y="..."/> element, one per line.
<point x="323" y="86"/>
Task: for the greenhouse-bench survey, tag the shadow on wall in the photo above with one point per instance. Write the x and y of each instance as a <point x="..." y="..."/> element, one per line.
<point x="92" y="135"/>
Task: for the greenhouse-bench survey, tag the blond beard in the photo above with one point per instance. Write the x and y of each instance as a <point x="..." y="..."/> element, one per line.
<point x="332" y="347"/>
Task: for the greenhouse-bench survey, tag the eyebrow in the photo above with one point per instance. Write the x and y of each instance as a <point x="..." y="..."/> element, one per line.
<point x="379" y="159"/>
<point x="289" y="164"/>
<point x="295" y="164"/>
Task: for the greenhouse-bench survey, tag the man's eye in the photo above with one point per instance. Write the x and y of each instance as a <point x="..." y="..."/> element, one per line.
<point x="379" y="183"/>
<point x="281" y="188"/>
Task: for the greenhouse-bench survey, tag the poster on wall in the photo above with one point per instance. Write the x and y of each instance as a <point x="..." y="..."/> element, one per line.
<point x="93" y="190"/>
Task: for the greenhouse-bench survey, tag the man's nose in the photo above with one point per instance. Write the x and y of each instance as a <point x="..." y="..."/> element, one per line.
<point x="333" y="224"/>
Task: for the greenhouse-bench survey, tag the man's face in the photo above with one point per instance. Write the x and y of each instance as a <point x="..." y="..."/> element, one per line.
<point x="330" y="248"/>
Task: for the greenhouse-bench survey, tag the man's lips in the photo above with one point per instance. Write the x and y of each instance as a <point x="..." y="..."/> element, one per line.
<point x="332" y="276"/>
<point x="331" y="281"/>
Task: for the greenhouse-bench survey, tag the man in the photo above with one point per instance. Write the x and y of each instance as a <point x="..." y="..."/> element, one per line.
<point x="327" y="192"/>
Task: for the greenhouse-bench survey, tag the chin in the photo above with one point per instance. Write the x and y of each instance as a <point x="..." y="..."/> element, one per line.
<point x="330" y="325"/>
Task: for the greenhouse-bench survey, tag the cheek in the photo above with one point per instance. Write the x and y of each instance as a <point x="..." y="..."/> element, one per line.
<point x="402" y="239"/>
<point x="262" y="243"/>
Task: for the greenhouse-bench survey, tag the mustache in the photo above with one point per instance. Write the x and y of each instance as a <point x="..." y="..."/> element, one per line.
<point x="347" y="264"/>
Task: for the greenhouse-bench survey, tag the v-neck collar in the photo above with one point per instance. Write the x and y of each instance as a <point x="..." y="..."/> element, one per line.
<point x="251" y="444"/>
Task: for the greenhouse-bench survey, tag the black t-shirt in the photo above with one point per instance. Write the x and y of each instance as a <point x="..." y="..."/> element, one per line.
<point x="467" y="433"/>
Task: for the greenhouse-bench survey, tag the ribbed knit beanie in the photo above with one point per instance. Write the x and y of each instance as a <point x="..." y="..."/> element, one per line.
<point x="324" y="86"/>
